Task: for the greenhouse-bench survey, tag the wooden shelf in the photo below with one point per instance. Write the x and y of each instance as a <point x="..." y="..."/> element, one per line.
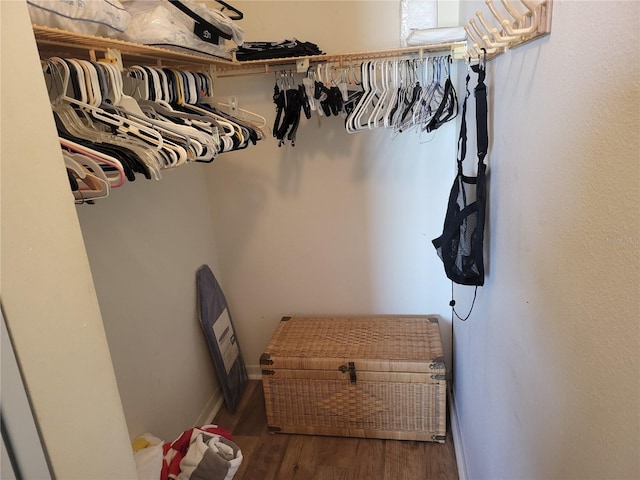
<point x="55" y="42"/>
<point x="253" y="67"/>
<point x="52" y="41"/>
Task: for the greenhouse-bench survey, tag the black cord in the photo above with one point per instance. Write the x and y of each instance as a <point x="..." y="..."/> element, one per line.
<point x="452" y="304"/>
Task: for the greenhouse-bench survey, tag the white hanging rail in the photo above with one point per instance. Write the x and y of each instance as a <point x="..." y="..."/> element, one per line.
<point x="515" y="27"/>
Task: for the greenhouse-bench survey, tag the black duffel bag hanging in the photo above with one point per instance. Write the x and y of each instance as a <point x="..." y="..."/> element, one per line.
<point x="460" y="247"/>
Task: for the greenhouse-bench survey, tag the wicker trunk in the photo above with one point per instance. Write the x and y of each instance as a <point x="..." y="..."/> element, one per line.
<point x="372" y="377"/>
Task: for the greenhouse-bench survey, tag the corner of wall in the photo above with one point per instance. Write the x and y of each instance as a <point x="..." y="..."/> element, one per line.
<point x="458" y="443"/>
<point x="210" y="409"/>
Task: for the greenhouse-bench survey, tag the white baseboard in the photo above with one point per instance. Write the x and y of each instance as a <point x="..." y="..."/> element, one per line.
<point x="458" y="445"/>
<point x="216" y="401"/>
<point x="210" y="409"/>
<point x="254" y="372"/>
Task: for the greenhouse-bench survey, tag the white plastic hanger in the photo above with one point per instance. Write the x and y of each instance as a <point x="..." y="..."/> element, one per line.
<point x="377" y="113"/>
<point x="57" y="72"/>
<point x="116" y="177"/>
<point x="366" y="88"/>
<point x="123" y="125"/>
<point x="90" y="186"/>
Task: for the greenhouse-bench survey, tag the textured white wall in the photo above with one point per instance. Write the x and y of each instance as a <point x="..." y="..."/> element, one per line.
<point x="144" y="244"/>
<point x="547" y="370"/>
<point x="48" y="297"/>
<point x="339" y="224"/>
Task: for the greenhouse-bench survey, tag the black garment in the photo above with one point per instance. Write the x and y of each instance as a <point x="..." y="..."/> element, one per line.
<point x="72" y="181"/>
<point x="285" y="49"/>
<point x="447" y="110"/>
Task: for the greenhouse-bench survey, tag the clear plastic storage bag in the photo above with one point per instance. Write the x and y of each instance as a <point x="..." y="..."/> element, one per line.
<point x="93" y="17"/>
<point x="185" y="25"/>
<point x="416" y="14"/>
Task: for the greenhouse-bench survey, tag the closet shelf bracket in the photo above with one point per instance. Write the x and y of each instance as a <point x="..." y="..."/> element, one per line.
<point x="114" y="56"/>
<point x="459" y="52"/>
<point x="302" y="65"/>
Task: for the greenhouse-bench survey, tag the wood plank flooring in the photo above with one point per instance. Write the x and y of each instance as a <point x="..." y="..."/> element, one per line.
<point x="270" y="456"/>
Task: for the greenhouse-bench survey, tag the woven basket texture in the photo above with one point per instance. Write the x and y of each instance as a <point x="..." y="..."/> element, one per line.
<point x="399" y="390"/>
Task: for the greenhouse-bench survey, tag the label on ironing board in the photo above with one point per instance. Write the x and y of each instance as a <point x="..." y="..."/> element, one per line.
<point x="226" y="338"/>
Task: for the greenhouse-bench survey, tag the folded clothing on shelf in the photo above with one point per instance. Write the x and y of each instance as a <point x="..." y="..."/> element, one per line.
<point x="183" y="25"/>
<point x="283" y="49"/>
<point x="429" y="36"/>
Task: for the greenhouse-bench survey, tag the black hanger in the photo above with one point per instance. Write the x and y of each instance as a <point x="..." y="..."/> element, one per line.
<point x="238" y="14"/>
<point x="448" y="108"/>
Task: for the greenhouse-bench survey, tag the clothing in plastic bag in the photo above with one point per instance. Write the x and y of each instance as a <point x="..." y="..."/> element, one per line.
<point x="181" y="25"/>
<point x="92" y="17"/>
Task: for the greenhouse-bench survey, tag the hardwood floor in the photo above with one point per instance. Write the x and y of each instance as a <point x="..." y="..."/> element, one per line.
<point x="270" y="456"/>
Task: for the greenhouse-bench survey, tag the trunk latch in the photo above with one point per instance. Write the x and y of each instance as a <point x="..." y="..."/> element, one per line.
<point x="351" y="369"/>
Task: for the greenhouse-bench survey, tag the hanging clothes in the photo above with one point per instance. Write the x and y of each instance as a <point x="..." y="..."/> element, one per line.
<point x="112" y="127"/>
<point x="400" y="95"/>
<point x="290" y="100"/>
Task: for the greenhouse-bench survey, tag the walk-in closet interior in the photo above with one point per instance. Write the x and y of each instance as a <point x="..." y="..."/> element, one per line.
<point x="99" y="298"/>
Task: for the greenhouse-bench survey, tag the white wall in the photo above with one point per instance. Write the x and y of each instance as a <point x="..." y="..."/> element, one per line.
<point x="48" y="296"/>
<point x="335" y="26"/>
<point x="145" y="243"/>
<point x="547" y="369"/>
<point x="338" y="224"/>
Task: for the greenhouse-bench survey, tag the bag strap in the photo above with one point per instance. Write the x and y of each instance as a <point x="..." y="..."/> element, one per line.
<point x="462" y="139"/>
<point x="482" y="138"/>
<point x="480" y="92"/>
<point x="206" y="31"/>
